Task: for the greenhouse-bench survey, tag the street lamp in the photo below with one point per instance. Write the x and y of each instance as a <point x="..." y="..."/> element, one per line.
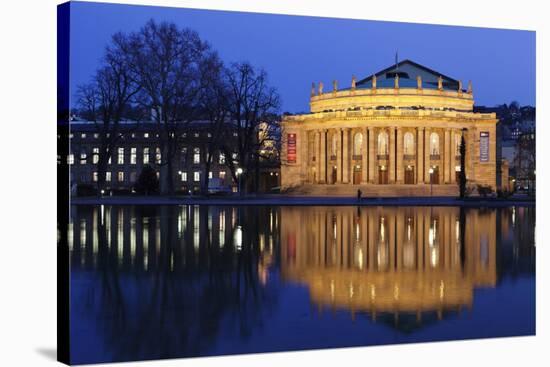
<point x="431" y="181"/>
<point x="239" y="173"/>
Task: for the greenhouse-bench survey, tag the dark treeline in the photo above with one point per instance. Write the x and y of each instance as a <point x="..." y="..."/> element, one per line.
<point x="171" y="77"/>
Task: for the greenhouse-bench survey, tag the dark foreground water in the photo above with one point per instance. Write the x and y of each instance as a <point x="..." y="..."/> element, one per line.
<point x="168" y="282"/>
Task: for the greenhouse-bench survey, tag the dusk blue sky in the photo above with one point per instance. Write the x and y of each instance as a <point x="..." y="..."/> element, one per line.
<point x="297" y="50"/>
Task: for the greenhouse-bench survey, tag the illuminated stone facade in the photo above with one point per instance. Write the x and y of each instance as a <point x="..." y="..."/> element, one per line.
<point x="395" y="132"/>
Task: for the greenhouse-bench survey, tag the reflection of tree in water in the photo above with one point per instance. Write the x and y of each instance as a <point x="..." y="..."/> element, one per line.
<point x="188" y="296"/>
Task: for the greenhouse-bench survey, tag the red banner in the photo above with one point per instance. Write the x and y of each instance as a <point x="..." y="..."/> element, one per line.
<point x="291" y="148"/>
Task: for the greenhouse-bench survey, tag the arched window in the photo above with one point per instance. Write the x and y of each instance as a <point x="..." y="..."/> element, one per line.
<point x="357" y="142"/>
<point x="408" y="143"/>
<point x="434" y="144"/>
<point x="334" y="143"/>
<point x="383" y="143"/>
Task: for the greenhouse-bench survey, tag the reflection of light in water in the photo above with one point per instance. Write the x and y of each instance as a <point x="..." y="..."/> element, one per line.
<point x="70" y="235"/>
<point x="271" y="221"/>
<point x="372" y="291"/>
<point x="133" y="239"/>
<point x="408" y="255"/>
<point x="396" y="292"/>
<point x="382" y="255"/>
<point x="457" y="247"/>
<point x="359" y="257"/>
<point x="196" y="227"/>
<point x="334" y="234"/>
<point x="332" y="289"/>
<point x="262" y="242"/>
<point x="434" y="256"/>
<point x="484" y="250"/>
<point x="357" y="231"/>
<point x="120" y="234"/>
<point x="210" y="224"/>
<point x="157" y="235"/>
<point x="172" y="261"/>
<point x="145" y="240"/>
<point x="441" y="290"/>
<point x="238" y="238"/>
<point x="513" y="215"/>
<point x="95" y="240"/>
<point x="82" y="233"/>
<point x="270" y="244"/>
<point x="108" y="226"/>
<point x="222" y="228"/>
<point x="102" y="213"/>
<point x="351" y="290"/>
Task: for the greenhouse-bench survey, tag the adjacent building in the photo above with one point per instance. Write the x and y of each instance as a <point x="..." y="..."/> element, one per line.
<point x="397" y="132"/>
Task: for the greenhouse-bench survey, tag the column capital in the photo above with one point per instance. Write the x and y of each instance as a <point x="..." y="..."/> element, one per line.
<point x="420" y="128"/>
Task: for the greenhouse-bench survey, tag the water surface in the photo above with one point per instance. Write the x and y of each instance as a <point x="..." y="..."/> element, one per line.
<point x="185" y="281"/>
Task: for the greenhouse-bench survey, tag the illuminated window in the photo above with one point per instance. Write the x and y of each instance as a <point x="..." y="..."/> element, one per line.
<point x="210" y="174"/>
<point x="120" y="176"/>
<point x="222" y="158"/>
<point x="83" y="158"/>
<point x="357" y="142"/>
<point x="184" y="176"/>
<point x="120" y="159"/>
<point x="196" y="135"/>
<point x="83" y="136"/>
<point x="108" y="176"/>
<point x="196" y="155"/>
<point x="96" y="135"/>
<point x="146" y="155"/>
<point x="434" y="143"/>
<point x="383" y="143"/>
<point x="133" y="155"/>
<point x="209" y="135"/>
<point x="222" y="175"/>
<point x="70" y="159"/>
<point x="133" y="135"/>
<point x="158" y="156"/>
<point x="95" y="155"/>
<point x="196" y="176"/>
<point x="235" y="134"/>
<point x="145" y="135"/>
<point x="408" y="143"/>
<point x="94" y="176"/>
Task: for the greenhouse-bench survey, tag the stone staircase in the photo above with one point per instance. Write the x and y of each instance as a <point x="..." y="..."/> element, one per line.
<point x="373" y="190"/>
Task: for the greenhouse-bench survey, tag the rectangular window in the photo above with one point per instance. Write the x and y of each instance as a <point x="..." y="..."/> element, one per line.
<point x="132" y="176"/>
<point x="120" y="159"/>
<point x="121" y="176"/>
<point x="145" y="135"/>
<point x="210" y="175"/>
<point x="133" y="135"/>
<point x="83" y="136"/>
<point x="96" y="136"/>
<point x="196" y="135"/>
<point x="196" y="155"/>
<point x="70" y="159"/>
<point x="109" y="161"/>
<point x="222" y="158"/>
<point x="235" y="134"/>
<point x="146" y="155"/>
<point x="209" y="135"/>
<point x="197" y="176"/>
<point x="108" y="176"/>
<point x="83" y="158"/>
<point x="95" y="155"/>
<point x="222" y="175"/>
<point x="94" y="176"/>
<point x="184" y="176"/>
<point x="158" y="156"/>
<point x="133" y="155"/>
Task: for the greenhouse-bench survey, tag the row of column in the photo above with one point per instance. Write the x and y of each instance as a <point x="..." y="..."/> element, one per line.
<point x="370" y="162"/>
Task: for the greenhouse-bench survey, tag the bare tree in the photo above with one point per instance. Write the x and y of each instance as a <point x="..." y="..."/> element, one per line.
<point x="214" y="107"/>
<point x="252" y="105"/>
<point x="164" y="61"/>
<point x="106" y="101"/>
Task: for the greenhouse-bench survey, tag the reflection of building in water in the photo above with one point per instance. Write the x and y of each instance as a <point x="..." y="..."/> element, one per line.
<point x="141" y="238"/>
<point x="389" y="259"/>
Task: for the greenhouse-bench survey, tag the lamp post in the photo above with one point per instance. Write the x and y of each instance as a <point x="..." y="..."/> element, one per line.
<point x="239" y="173"/>
<point x="431" y="181"/>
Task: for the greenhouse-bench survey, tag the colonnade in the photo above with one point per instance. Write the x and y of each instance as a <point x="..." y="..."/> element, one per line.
<point x="385" y="155"/>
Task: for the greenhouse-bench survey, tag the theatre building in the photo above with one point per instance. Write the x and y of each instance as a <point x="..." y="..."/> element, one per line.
<point x="397" y="132"/>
